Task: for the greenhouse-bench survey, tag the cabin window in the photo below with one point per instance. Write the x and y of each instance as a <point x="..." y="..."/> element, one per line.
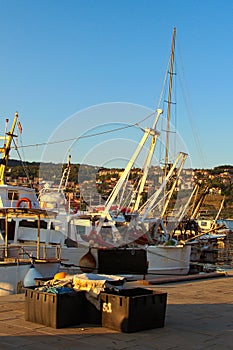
<point x="80" y="230"/>
<point x="10" y="229"/>
<point x="33" y="223"/>
<point x="203" y="223"/>
<point x="2" y="226"/>
<point x="12" y="195"/>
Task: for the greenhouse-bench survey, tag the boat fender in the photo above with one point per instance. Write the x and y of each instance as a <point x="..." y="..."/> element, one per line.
<point x="26" y="200"/>
<point x="29" y="278"/>
<point x="87" y="263"/>
<point x="60" y="275"/>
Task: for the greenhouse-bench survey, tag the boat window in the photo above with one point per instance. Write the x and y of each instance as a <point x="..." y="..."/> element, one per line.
<point x="203" y="223"/>
<point x="2" y="226"/>
<point x="13" y="195"/>
<point x="80" y="230"/>
<point x="33" y="223"/>
<point x="10" y="229"/>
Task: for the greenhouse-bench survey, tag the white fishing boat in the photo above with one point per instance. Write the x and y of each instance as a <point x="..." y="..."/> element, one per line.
<point x="52" y="197"/>
<point x="169" y="260"/>
<point x="26" y="234"/>
<point x="107" y="230"/>
<point x="87" y="236"/>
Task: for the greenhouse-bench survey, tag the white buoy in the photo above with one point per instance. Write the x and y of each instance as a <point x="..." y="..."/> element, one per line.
<point x="29" y="279"/>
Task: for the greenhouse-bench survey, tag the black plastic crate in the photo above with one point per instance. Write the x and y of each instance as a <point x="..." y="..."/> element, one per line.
<point x="54" y="310"/>
<point x="91" y="314"/>
<point x="133" y="310"/>
<point x="122" y="261"/>
<point x="41" y="281"/>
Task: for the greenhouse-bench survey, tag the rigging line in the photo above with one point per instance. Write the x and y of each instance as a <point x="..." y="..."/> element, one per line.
<point x="122" y="200"/>
<point x="142" y="120"/>
<point x="91" y="135"/>
<point x="175" y="112"/>
<point x="130" y="196"/>
<point x="184" y="87"/>
<point x="23" y="165"/>
<point x="162" y="93"/>
<point x="161" y="201"/>
<point x="19" y="138"/>
<point x="144" y="205"/>
<point x="194" y="129"/>
<point x="127" y="201"/>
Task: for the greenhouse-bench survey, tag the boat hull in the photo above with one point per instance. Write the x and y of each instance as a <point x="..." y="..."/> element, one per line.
<point x="12" y="274"/>
<point x="71" y="256"/>
<point x="172" y="260"/>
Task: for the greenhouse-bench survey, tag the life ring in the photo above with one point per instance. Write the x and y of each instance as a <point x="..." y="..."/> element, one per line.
<point x="26" y="200"/>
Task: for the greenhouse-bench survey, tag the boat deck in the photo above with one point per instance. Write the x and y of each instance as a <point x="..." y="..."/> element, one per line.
<point x="198" y="316"/>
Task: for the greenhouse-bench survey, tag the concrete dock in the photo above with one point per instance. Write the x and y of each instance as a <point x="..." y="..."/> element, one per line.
<point x="199" y="316"/>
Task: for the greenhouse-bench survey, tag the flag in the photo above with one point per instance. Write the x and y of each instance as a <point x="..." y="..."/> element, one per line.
<point x="20" y="127"/>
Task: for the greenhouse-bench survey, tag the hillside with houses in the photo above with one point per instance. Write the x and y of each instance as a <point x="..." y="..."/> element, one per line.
<point x="214" y="184"/>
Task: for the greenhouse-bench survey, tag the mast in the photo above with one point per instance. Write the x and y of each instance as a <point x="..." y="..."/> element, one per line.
<point x="152" y="200"/>
<point x="125" y="173"/>
<point x="6" y="150"/>
<point x="220" y="209"/>
<point x="65" y="176"/>
<point x="105" y="214"/>
<point x="148" y="161"/>
<point x="154" y="138"/>
<point x="199" y="204"/>
<point x="187" y="203"/>
<point x="174" y="185"/>
<point x="171" y="66"/>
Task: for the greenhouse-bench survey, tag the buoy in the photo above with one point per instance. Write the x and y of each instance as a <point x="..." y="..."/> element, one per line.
<point x="29" y="279"/>
<point x="60" y="275"/>
<point x="87" y="263"/>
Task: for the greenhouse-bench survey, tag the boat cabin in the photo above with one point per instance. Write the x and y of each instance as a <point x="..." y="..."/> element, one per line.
<point x="18" y="197"/>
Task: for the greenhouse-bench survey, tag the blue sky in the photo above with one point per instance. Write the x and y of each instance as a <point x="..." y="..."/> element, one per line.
<point x="61" y="57"/>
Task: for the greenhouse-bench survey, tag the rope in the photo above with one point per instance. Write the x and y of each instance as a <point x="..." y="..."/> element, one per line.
<point x="23" y="165"/>
<point x="185" y="93"/>
<point x="91" y="135"/>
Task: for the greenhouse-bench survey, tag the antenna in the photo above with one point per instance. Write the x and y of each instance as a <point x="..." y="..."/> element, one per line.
<point x="6" y="149"/>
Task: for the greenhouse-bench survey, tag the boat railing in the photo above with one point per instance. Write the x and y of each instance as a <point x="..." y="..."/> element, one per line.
<point x="29" y="251"/>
